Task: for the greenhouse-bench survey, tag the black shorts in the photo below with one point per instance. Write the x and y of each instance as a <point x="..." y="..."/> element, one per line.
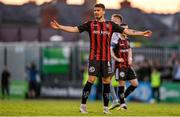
<point x="100" y="68"/>
<point x="125" y="74"/>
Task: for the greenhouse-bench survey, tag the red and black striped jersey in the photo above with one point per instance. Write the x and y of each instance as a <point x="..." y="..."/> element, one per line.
<point x="100" y="34"/>
<point x="121" y="50"/>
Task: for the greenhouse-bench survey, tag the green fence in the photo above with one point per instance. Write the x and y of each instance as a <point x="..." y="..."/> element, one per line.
<point x="170" y="92"/>
<point x="55" y="60"/>
<point x="18" y="89"/>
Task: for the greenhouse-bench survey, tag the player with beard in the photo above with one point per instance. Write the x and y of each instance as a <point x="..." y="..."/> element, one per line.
<point x="100" y="32"/>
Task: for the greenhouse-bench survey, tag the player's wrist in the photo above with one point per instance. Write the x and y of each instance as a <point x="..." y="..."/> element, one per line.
<point x="59" y="27"/>
<point x="143" y="33"/>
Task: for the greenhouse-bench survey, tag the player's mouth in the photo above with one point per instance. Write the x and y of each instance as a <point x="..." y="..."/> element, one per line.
<point x="98" y="17"/>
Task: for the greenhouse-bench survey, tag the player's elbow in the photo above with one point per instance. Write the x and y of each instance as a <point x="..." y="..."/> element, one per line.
<point x="75" y="29"/>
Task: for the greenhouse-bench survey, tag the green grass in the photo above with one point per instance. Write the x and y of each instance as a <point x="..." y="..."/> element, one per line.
<point x="71" y="108"/>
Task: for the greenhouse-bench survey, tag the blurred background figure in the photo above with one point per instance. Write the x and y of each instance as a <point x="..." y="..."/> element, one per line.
<point x="34" y="81"/>
<point x="155" y="84"/>
<point x="176" y="71"/>
<point x="5" y="82"/>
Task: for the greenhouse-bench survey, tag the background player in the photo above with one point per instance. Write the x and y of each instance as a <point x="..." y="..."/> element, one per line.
<point x="121" y="49"/>
<point x="118" y="19"/>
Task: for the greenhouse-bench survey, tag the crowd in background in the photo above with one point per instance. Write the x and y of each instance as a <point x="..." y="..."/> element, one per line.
<point x="170" y="71"/>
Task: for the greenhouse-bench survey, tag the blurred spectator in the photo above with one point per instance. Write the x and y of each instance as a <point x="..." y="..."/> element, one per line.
<point x="144" y="71"/>
<point x="176" y="71"/>
<point x="166" y="72"/>
<point x="5" y="77"/>
<point x="34" y="81"/>
<point x="173" y="58"/>
<point x="155" y="84"/>
<point x="157" y="65"/>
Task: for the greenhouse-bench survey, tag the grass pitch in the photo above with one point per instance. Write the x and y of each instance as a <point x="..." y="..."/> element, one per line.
<point x="71" y="108"/>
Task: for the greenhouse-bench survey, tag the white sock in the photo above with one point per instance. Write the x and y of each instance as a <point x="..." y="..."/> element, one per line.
<point x="83" y="105"/>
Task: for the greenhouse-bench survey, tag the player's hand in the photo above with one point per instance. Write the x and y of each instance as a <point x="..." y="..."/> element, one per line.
<point x="147" y="33"/>
<point x="54" y="24"/>
<point x="120" y="60"/>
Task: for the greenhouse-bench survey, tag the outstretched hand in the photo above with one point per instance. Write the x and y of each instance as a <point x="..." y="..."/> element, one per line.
<point x="54" y="24"/>
<point x="147" y="33"/>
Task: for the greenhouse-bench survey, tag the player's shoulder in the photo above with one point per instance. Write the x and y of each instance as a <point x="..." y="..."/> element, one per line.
<point x="115" y="38"/>
<point x="90" y="21"/>
<point x="116" y="34"/>
<point x="113" y="24"/>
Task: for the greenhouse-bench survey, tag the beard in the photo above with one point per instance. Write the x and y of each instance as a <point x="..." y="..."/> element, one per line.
<point x="98" y="18"/>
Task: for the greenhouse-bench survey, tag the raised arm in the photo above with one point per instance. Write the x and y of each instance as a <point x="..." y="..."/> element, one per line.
<point x="132" y="32"/>
<point x="117" y="28"/>
<point x="54" y="24"/>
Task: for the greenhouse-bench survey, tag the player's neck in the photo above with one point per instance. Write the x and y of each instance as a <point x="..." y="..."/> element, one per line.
<point x="102" y="19"/>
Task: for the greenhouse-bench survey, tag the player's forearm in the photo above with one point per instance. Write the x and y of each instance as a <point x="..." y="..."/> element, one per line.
<point x="133" y="32"/>
<point x="68" y="28"/>
<point x="130" y="61"/>
<point x="130" y="57"/>
<point x="113" y="55"/>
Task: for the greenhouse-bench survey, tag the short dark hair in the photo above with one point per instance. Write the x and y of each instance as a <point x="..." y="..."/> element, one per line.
<point x="118" y="16"/>
<point x="100" y="5"/>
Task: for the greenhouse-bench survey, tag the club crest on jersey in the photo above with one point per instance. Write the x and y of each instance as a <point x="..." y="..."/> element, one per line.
<point x="122" y="74"/>
<point x="91" y="69"/>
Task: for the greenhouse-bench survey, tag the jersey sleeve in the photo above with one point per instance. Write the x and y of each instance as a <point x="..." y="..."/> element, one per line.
<point x="84" y="27"/>
<point x="114" y="40"/>
<point x="117" y="28"/>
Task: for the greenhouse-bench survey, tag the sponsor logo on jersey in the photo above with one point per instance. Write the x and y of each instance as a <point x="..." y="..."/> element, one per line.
<point x="101" y="32"/>
<point x="124" y="50"/>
